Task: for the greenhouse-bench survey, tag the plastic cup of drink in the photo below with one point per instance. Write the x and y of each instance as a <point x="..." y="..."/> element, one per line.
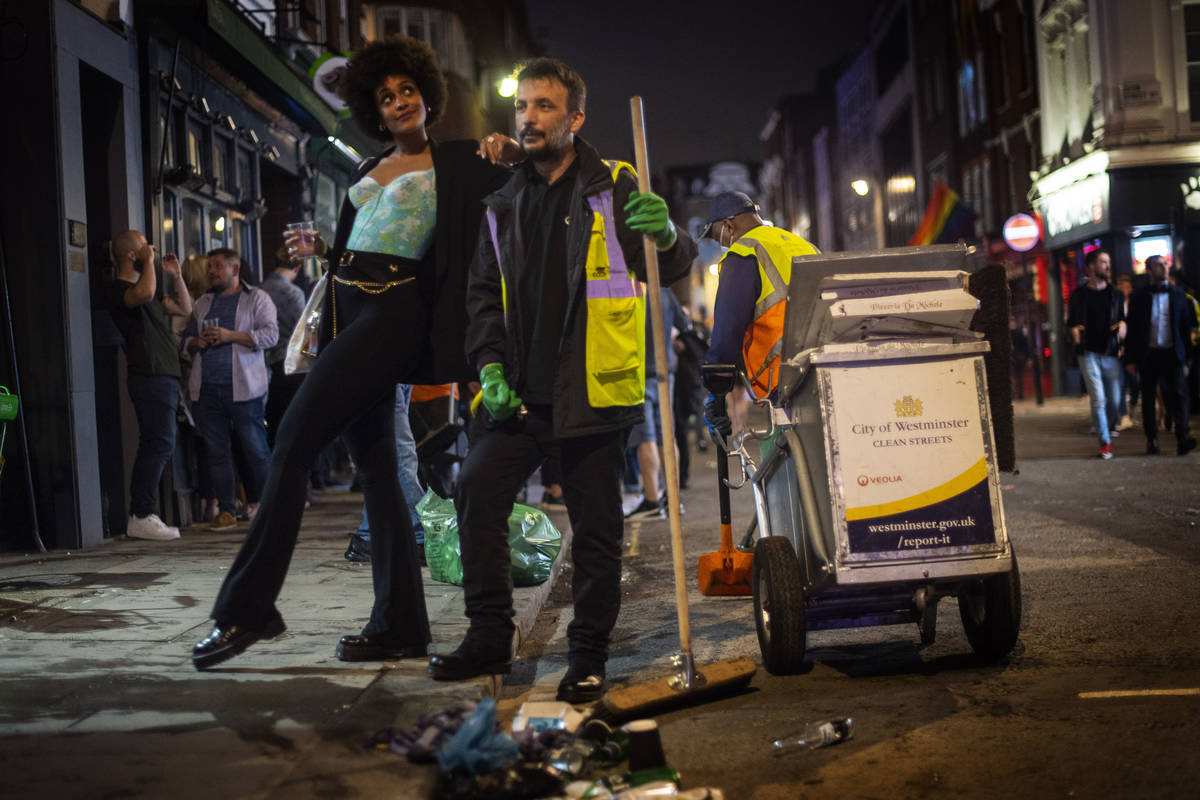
<point x="301" y="239"/>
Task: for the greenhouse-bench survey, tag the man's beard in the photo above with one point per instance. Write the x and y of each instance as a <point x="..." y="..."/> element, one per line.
<point x="551" y="146"/>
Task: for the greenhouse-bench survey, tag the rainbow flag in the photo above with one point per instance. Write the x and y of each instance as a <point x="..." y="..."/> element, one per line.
<point x="947" y="219"/>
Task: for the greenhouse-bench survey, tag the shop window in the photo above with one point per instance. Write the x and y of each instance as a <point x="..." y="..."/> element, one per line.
<point x="195" y="146"/>
<point x="1191" y="29"/>
<point x="218" y="233"/>
<point x="968" y="114"/>
<point x="169" y="135"/>
<point x="247" y="189"/>
<point x="170" y="236"/>
<point x="192" y="223"/>
<point x="222" y="146"/>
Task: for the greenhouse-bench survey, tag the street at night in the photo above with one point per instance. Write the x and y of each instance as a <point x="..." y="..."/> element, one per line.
<point x="1100" y="698"/>
<point x="344" y="345"/>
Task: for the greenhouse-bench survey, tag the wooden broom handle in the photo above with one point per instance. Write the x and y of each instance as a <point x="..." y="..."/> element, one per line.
<point x="664" y="386"/>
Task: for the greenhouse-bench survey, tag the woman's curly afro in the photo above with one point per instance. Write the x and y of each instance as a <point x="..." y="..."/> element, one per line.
<point x="395" y="55"/>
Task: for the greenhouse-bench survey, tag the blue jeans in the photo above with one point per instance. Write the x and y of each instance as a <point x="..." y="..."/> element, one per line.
<point x="155" y="400"/>
<point x="1103" y="377"/>
<point x="406" y="467"/>
<point x="220" y="419"/>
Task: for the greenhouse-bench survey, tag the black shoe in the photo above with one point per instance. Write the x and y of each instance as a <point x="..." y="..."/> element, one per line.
<point x="227" y="641"/>
<point x="579" y="686"/>
<point x="647" y="509"/>
<point x="359" y="550"/>
<point x="1186" y="446"/>
<point x="377" y="647"/>
<point x="1151" y="447"/>
<point x="471" y="660"/>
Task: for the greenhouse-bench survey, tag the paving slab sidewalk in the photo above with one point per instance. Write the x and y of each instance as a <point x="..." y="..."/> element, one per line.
<point x="98" y="696"/>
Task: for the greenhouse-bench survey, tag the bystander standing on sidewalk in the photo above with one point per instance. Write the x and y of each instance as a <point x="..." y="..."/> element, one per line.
<point x="139" y="309"/>
<point x="231" y="326"/>
<point x="1096" y="320"/>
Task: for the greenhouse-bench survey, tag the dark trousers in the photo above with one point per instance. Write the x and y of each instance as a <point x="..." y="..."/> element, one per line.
<point x="283" y="388"/>
<point x="351" y="388"/>
<point x="1162" y="368"/>
<point x="497" y="466"/>
<point x="155" y="400"/>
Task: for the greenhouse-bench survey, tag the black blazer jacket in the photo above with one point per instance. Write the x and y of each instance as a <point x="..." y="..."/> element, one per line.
<point x="1183" y="320"/>
<point x="463" y="180"/>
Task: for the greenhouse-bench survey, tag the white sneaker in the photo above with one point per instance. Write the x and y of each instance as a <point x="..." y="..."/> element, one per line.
<point x="150" y="527"/>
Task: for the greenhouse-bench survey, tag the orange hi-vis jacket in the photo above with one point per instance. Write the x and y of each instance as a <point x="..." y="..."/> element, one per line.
<point x="773" y="249"/>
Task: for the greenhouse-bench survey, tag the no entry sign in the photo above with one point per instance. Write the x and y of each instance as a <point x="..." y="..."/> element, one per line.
<point x="1021" y="232"/>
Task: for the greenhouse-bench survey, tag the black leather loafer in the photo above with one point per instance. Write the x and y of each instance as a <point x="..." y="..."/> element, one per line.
<point x="377" y="648"/>
<point x="227" y="641"/>
<point x="1186" y="446"/>
<point x="581" y="688"/>
<point x="471" y="660"/>
<point x="358" y="551"/>
<point x="1151" y="448"/>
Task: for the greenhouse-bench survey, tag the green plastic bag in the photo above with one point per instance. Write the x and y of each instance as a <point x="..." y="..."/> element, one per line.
<point x="533" y="542"/>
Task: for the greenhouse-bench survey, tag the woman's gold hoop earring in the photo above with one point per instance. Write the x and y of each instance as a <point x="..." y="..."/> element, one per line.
<point x="381" y="128"/>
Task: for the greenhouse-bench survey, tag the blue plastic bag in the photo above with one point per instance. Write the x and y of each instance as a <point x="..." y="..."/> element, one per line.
<point x="478" y="747"/>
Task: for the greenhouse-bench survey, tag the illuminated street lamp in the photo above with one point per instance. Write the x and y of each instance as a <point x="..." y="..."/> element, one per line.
<point x="508" y="86"/>
<point x="862" y="187"/>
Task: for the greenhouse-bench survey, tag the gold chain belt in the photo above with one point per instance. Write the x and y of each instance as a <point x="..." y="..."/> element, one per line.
<point x="372" y="287"/>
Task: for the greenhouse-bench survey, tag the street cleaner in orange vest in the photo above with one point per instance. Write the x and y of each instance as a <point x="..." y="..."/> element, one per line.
<point x="751" y="296"/>
<point x="557" y="328"/>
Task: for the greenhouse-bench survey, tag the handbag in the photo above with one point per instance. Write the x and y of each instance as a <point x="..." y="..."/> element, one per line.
<point x="304" y="342"/>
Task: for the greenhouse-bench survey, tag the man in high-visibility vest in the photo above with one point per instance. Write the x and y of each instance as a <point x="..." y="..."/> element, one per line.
<point x="751" y="296"/>
<point x="556" y="327"/>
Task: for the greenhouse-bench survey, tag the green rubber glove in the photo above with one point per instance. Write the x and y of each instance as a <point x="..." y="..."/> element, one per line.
<point x="648" y="215"/>
<point x="499" y="400"/>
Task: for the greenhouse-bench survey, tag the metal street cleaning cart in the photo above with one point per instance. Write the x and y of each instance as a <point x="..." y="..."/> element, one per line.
<point x="873" y="472"/>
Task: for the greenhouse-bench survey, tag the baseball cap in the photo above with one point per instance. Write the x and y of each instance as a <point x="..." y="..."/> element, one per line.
<point x="726" y="205"/>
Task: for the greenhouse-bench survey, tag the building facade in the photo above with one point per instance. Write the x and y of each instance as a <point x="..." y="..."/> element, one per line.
<point x="1120" y="136"/>
<point x="200" y="123"/>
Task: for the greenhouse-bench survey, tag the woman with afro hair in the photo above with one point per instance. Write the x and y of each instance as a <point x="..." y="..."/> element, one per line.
<point x="394" y="313"/>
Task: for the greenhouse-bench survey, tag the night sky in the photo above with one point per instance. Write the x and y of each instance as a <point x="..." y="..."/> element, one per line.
<point x="708" y="73"/>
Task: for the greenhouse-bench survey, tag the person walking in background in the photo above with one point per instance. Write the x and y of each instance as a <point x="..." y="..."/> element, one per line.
<point x="140" y="310"/>
<point x="1096" y="320"/>
<point x="685" y="401"/>
<point x="647" y="435"/>
<point x="1124" y="284"/>
<point x="230" y="329"/>
<point x="394" y="313"/>
<point x="1161" y="322"/>
<point x="289" y="307"/>
<point x="1020" y="357"/>
<point x="557" y="333"/>
<point x="1193" y="374"/>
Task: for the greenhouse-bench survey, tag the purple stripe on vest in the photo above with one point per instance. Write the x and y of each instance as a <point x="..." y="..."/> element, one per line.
<point x="619" y="283"/>
<point x="492" y="226"/>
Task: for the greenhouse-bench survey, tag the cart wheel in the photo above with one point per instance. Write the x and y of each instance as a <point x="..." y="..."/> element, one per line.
<point x="779" y="605"/>
<point x="991" y="612"/>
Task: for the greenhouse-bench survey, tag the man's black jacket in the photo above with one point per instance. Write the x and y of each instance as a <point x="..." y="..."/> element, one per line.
<point x="487" y="339"/>
<point x="1182" y="317"/>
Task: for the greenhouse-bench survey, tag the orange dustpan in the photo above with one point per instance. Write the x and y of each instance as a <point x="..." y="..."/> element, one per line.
<point x="727" y="571"/>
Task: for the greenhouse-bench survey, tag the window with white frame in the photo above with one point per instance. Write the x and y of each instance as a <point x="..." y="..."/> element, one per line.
<point x="441" y="30"/>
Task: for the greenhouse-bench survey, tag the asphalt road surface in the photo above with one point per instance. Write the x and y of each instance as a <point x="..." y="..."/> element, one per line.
<point x="1100" y="698"/>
